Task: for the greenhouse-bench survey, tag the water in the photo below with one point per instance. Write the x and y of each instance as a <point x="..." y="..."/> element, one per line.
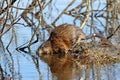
<point x="49" y="67"/>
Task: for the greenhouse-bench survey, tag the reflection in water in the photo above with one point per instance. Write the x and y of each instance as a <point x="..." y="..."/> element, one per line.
<point x="63" y="68"/>
<point x="94" y="64"/>
<point x="17" y="66"/>
<point x="67" y="68"/>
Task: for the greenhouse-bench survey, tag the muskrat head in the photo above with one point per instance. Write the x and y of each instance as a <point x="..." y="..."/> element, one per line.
<point x="45" y="49"/>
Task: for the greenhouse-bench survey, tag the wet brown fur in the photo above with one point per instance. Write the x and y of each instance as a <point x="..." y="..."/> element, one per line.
<point x="62" y="38"/>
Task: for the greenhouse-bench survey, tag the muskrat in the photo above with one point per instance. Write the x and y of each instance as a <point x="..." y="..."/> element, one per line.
<point x="62" y="38"/>
<point x="45" y="48"/>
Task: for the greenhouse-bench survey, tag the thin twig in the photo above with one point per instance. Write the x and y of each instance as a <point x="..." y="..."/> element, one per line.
<point x="113" y="32"/>
<point x="8" y="6"/>
<point x="53" y="23"/>
<point x="87" y="15"/>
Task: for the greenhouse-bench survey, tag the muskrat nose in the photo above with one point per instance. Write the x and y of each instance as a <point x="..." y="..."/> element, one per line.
<point x="40" y="51"/>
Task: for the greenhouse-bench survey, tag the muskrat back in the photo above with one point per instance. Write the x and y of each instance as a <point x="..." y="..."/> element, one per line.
<point x="65" y="36"/>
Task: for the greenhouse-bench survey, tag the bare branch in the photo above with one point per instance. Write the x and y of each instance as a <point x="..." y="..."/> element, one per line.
<point x="53" y="23"/>
<point x="87" y="15"/>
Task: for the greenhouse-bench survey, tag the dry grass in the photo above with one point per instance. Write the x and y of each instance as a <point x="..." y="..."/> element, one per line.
<point x="95" y="54"/>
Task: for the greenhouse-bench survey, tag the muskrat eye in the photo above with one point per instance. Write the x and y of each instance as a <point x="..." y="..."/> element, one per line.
<point x="82" y="38"/>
